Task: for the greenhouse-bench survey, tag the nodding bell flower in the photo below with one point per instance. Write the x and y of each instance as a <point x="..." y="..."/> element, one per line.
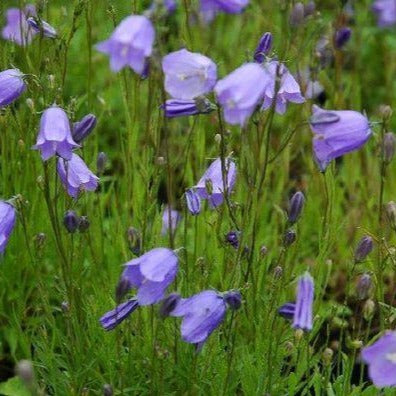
<point x="210" y="8"/>
<point x="17" y="28"/>
<point x="385" y="11"/>
<point x="12" y="86"/>
<point x="42" y="27"/>
<point x="7" y="223"/>
<point x="170" y="220"/>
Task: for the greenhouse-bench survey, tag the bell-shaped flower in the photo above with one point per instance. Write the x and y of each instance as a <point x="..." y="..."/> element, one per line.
<point x="42" y="27"/>
<point x="385" y="11"/>
<point x="337" y="133"/>
<point x="188" y="74"/>
<point x="55" y="135"/>
<point x="17" y="28"/>
<point x="7" y="223"/>
<point x="302" y="318"/>
<point x="210" y="8"/>
<point x="130" y="44"/>
<point x="170" y="220"/>
<point x="12" y="86"/>
<point x="76" y="176"/>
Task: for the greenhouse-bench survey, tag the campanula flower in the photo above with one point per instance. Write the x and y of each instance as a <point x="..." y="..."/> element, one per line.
<point x="337" y="133"/>
<point x="203" y="313"/>
<point x="263" y="48"/>
<point x="7" y="223"/>
<point x="83" y="128"/>
<point x="363" y="248"/>
<point x="170" y="218"/>
<point x="179" y="108"/>
<point x="193" y="201"/>
<point x="130" y="44"/>
<point x="209" y="8"/>
<point x="342" y="36"/>
<point x="289" y="90"/>
<point x="12" y="86"/>
<point x="114" y="317"/>
<point x="17" y="28"/>
<point x="42" y="27"/>
<point x="302" y="318"/>
<point x="381" y="359"/>
<point x="296" y="205"/>
<point x="55" y="135"/>
<point x="240" y="92"/>
<point x="385" y="11"/>
<point x="188" y="74"/>
<point x="211" y="185"/>
<point x="168" y="5"/>
<point x="76" y="176"/>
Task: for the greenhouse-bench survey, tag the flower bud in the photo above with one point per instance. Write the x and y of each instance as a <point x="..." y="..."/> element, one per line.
<point x="134" y="241"/>
<point x="193" y="202"/>
<point x="70" y="221"/>
<point x="363" y="249"/>
<point x="233" y="238"/>
<point x="83" y="224"/>
<point x="122" y="289"/>
<point x="263" y="251"/>
<point x="327" y="356"/>
<point x="107" y="390"/>
<point x="388" y="147"/>
<point x="299" y="334"/>
<point x="30" y="104"/>
<point x="390" y="210"/>
<point x="289" y="238"/>
<point x="297" y="15"/>
<point x="309" y="9"/>
<point x="42" y="27"/>
<point x="233" y="299"/>
<point x="341" y="37"/>
<point x="356" y="344"/>
<point x="217" y="138"/>
<point x="83" y="128"/>
<point x="24" y="370"/>
<point x="169" y="304"/>
<point x="385" y="112"/>
<point x="368" y="309"/>
<point x="101" y="163"/>
<point x="278" y="272"/>
<point x="295" y="206"/>
<point x="263" y="47"/>
<point x="363" y="286"/>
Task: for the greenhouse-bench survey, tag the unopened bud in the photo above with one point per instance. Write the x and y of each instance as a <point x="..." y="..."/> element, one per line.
<point x="263" y="48"/>
<point x="341" y="37"/>
<point x="289" y="347"/>
<point x="160" y="161"/>
<point x="232" y="238"/>
<point x="217" y="138"/>
<point x="368" y="309"/>
<point x="296" y="205"/>
<point x="83" y="128"/>
<point x="363" y="286"/>
<point x="263" y="251"/>
<point x="70" y="221"/>
<point x="30" y="104"/>
<point x="297" y="15"/>
<point x="309" y="8"/>
<point x="39" y="240"/>
<point x="327" y="356"/>
<point x="101" y="163"/>
<point x="363" y="249"/>
<point x="356" y="344"/>
<point x="388" y="147"/>
<point x="65" y="306"/>
<point x="385" y="112"/>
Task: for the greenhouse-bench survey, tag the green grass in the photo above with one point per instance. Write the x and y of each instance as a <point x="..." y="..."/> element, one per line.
<point x="254" y="352"/>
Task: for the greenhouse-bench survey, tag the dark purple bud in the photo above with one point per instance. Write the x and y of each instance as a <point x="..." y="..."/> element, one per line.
<point x="101" y="163"/>
<point x="40" y="26"/>
<point x="83" y="128"/>
<point x="342" y="36"/>
<point x="289" y="237"/>
<point x="233" y="238"/>
<point x="363" y="286"/>
<point x="388" y="147"/>
<point x="169" y="304"/>
<point x="193" y="202"/>
<point x="297" y="15"/>
<point x="295" y="206"/>
<point x="122" y="289"/>
<point x="363" y="249"/>
<point x="309" y="8"/>
<point x="70" y="221"/>
<point x="134" y="240"/>
<point x="233" y="299"/>
<point x="287" y="310"/>
<point x="179" y="108"/>
<point x="107" y="390"/>
<point x="113" y="318"/>
<point x="83" y="224"/>
<point x="263" y="48"/>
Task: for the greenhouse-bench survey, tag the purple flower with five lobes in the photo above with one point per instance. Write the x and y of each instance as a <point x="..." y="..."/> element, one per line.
<point x="12" y="86"/>
<point x="170" y="218"/>
<point x="337" y="133"/>
<point x="211" y="185"/>
<point x="193" y="201"/>
<point x="289" y="90"/>
<point x="240" y="92"/>
<point x="385" y="11"/>
<point x="188" y="74"/>
<point x="130" y="44"/>
<point x="302" y="318"/>
<point x="76" y="176"/>
<point x="17" y="28"/>
<point x="209" y="8"/>
<point x="7" y="223"/>
<point x="42" y="27"/>
<point x="55" y="135"/>
<point x="179" y="108"/>
<point x="381" y="359"/>
<point x="83" y="128"/>
<point x="203" y="312"/>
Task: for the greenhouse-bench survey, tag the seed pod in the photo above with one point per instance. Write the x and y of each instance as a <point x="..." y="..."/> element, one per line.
<point x="70" y="221"/>
<point x="327" y="356"/>
<point x="363" y="249"/>
<point x="134" y="240"/>
<point x="295" y="206"/>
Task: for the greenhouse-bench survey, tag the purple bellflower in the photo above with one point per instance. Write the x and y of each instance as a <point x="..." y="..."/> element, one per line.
<point x="381" y="358"/>
<point x="337" y="133"/>
<point x="210" y="8"/>
<point x="113" y="318"/>
<point x="12" y="86"/>
<point x="385" y="11"/>
<point x="211" y="185"/>
<point x="240" y="92"/>
<point x="55" y="135"/>
<point x="17" y="28"/>
<point x="302" y="318"/>
<point x="7" y="223"/>
<point x="188" y="74"/>
<point x="42" y="27"/>
<point x="83" y="128"/>
<point x="130" y="44"/>
<point x="76" y="176"/>
<point x="193" y="201"/>
<point x="289" y="90"/>
<point x="342" y="36"/>
<point x="170" y="218"/>
<point x="179" y="108"/>
<point x="203" y="313"/>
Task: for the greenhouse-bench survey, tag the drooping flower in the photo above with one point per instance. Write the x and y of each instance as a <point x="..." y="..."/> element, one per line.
<point x="55" y="136"/>
<point x="193" y="202"/>
<point x="302" y="318"/>
<point x="170" y="219"/>
<point x="209" y="8"/>
<point x="188" y="74"/>
<point x="211" y="185"/>
<point x="42" y="27"/>
<point x="385" y="11"/>
<point x="83" y="128"/>
<point x="12" y="86"/>
<point x="168" y="5"/>
<point x="203" y="312"/>
<point x="240" y="92"/>
<point x="130" y="44"/>
<point x="17" y="28"/>
<point x="76" y="176"/>
<point x="7" y="223"/>
<point x="381" y="359"/>
<point x="113" y="318"/>
<point x="289" y="90"/>
<point x="179" y="108"/>
<point x="337" y="133"/>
